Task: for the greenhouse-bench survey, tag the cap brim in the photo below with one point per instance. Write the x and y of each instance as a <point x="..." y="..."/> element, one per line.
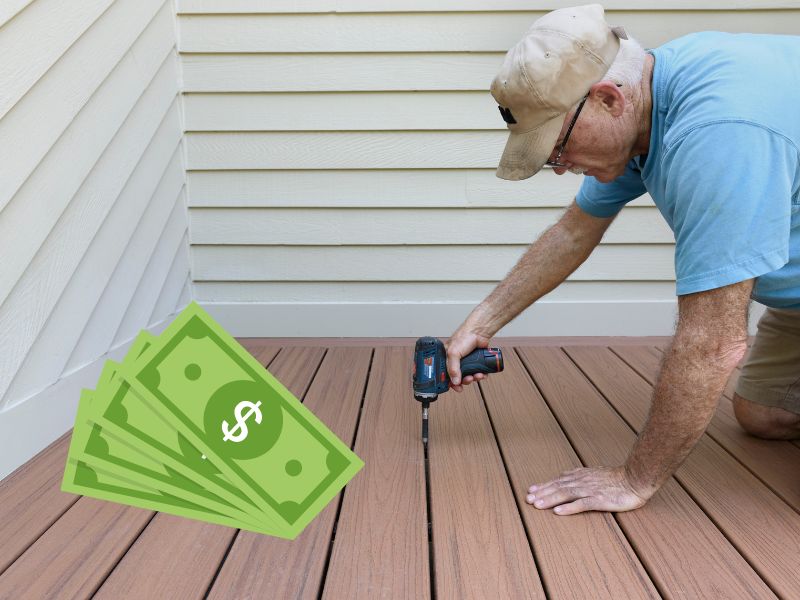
<point x="526" y="153"/>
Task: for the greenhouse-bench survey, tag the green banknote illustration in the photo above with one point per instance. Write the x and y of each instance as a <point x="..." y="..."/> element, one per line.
<point x="98" y="482"/>
<point x="242" y="419"/>
<point x="126" y="416"/>
<point x="106" y="451"/>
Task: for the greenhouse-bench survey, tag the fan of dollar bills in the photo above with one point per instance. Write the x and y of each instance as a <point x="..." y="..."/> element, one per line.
<point x="191" y="424"/>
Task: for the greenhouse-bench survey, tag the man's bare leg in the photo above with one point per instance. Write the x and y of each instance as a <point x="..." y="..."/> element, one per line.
<point x="767" y="422"/>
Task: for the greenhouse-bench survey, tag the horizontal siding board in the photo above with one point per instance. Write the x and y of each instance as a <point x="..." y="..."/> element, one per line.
<point x="412" y="291"/>
<point x="345" y="111"/>
<point x="47" y="357"/>
<point x="30" y="130"/>
<point x="413" y="263"/>
<point x="28" y="219"/>
<point x="110" y="309"/>
<point x="29" y="306"/>
<point x="381" y="188"/>
<point x="186" y="293"/>
<point x="339" y="72"/>
<point x="395" y="6"/>
<point x="33" y="41"/>
<point x="404" y="226"/>
<point x="11" y="8"/>
<point x="440" y="32"/>
<point x="345" y="150"/>
<point x="404" y="319"/>
<point x="155" y="274"/>
<point x="173" y="283"/>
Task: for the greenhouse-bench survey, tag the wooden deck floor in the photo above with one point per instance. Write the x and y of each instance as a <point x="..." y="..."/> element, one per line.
<point x="726" y="526"/>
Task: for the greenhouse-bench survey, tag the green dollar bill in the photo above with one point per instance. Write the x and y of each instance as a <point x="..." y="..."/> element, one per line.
<point x="111" y="453"/>
<point x="235" y="412"/>
<point x="90" y="480"/>
<point x="126" y="416"/>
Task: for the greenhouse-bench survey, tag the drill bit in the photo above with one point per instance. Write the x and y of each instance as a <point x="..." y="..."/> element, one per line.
<point x="425" y="422"/>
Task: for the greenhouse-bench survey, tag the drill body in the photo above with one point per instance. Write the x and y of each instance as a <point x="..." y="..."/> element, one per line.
<point x="430" y="377"/>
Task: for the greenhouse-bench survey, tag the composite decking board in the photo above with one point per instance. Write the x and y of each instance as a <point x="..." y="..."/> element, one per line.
<point x="70" y="555"/>
<point x="257" y="563"/>
<point x="181" y="556"/>
<point x="73" y="557"/>
<point x="774" y="462"/>
<point x="535" y="449"/>
<point x="381" y="544"/>
<point x="31" y="500"/>
<point x="408" y="342"/>
<point x="480" y="548"/>
<point x="172" y="558"/>
<point x="763" y="527"/>
<point x="684" y="552"/>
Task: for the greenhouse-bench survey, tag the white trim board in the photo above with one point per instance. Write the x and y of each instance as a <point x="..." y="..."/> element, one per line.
<point x="31" y="425"/>
<point x="375" y="319"/>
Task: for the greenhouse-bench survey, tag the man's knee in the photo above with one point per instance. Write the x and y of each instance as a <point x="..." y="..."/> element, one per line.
<point x="767" y="422"/>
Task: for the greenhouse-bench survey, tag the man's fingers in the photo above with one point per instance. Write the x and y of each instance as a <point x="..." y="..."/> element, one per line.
<point x="578" y="506"/>
<point x="559" y="497"/>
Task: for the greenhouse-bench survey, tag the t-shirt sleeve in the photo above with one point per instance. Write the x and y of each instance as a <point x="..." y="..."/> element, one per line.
<point x="607" y="199"/>
<point x="731" y="185"/>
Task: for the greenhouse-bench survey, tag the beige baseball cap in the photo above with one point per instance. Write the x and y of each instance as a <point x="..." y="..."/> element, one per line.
<point x="544" y="75"/>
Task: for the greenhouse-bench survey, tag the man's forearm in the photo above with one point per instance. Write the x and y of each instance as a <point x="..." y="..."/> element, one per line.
<point x="548" y="262"/>
<point x="685" y="397"/>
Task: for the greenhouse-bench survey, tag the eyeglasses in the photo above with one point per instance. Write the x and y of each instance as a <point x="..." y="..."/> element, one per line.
<point x="562" y="145"/>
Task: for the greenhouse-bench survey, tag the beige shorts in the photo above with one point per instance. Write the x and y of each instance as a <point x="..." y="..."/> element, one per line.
<point x="771" y="373"/>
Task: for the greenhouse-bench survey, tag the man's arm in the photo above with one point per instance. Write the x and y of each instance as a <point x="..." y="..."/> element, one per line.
<point x="710" y="340"/>
<point x="550" y="259"/>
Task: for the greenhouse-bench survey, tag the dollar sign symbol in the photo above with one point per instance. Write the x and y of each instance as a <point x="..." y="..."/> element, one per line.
<point x="239" y="431"/>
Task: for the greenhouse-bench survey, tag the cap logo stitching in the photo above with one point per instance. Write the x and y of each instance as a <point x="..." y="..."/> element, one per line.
<point x="507" y="116"/>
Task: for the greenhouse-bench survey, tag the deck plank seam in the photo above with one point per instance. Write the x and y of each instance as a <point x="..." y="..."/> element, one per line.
<point x="720" y="444"/>
<point x="324" y="575"/>
<point x="631" y="541"/>
<point x="615" y="516"/>
<point x="122" y="554"/>
<point x="678" y="480"/>
<point x="429" y="520"/>
<point x="36" y="539"/>
<point x="536" y="561"/>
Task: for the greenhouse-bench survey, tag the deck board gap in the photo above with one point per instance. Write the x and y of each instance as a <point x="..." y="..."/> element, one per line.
<point x="122" y="554"/>
<point x="536" y="561"/>
<point x="730" y="539"/>
<point x="323" y="577"/>
<point x="759" y="476"/>
<point x="45" y="530"/>
<point x="429" y="521"/>
<point x="221" y="563"/>
<point x="550" y="408"/>
<point x="311" y="379"/>
<point x="599" y="391"/>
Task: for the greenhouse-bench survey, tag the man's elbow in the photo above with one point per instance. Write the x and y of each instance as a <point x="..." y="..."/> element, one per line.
<point x="721" y="353"/>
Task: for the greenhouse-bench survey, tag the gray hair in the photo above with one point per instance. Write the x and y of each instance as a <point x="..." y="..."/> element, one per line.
<point x="627" y="66"/>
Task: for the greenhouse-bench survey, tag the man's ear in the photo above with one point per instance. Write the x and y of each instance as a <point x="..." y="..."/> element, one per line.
<point x="610" y="97"/>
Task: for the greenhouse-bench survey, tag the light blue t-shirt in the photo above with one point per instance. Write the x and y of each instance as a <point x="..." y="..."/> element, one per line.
<point x="723" y="165"/>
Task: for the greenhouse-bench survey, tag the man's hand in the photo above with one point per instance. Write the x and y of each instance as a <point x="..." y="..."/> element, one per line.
<point x="709" y="341"/>
<point x="460" y="345"/>
<point x="579" y="490"/>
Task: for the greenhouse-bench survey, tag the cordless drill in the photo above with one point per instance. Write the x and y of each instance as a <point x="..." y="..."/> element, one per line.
<point x="430" y="377"/>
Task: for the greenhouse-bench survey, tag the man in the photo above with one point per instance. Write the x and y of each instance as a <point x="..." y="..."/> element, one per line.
<point x="709" y="125"/>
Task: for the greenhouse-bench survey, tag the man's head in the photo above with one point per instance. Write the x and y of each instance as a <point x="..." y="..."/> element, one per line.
<point x="558" y="85"/>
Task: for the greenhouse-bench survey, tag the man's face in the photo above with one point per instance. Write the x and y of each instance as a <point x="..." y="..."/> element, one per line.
<point x="596" y="145"/>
